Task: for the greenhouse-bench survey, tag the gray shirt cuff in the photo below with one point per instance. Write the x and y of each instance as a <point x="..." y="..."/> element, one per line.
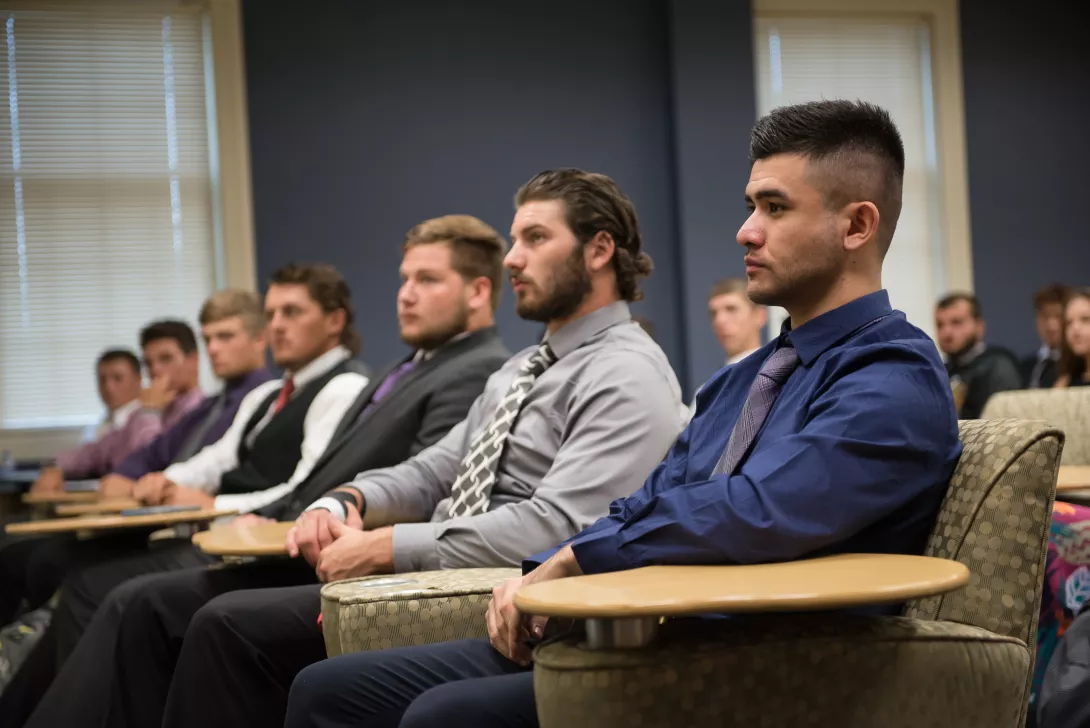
<point x="415" y="547"/>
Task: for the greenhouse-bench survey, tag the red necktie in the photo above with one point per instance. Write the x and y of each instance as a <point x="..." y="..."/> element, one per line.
<point x="285" y="394"/>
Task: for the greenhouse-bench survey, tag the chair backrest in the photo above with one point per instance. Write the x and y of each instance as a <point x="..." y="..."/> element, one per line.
<point x="995" y="519"/>
<point x="1067" y="409"/>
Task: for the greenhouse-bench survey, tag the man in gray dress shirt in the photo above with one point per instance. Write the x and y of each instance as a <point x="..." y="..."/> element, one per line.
<point x="560" y="431"/>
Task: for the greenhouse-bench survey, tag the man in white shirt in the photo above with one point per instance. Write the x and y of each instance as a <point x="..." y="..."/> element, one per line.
<point x="312" y="338"/>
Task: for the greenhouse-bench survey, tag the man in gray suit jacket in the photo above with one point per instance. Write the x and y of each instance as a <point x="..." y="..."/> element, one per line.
<point x="451" y="272"/>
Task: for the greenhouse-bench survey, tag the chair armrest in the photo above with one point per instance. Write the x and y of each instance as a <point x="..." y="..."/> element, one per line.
<point x="262" y="539"/>
<point x="109" y="505"/>
<point x="117" y="522"/>
<point x="39" y="499"/>
<point x="833" y="582"/>
<point x="1073" y="478"/>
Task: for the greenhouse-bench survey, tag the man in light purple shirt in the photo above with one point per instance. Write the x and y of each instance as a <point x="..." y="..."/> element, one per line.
<point x="171" y="358"/>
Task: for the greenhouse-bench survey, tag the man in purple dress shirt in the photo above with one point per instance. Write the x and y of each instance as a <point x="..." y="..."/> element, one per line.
<point x="170" y="355"/>
<point x="233" y="324"/>
<point x="233" y="328"/>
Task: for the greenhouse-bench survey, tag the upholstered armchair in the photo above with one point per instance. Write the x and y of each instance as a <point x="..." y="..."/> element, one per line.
<point x="1066" y="409"/>
<point x="963" y="658"/>
<point x="402" y="610"/>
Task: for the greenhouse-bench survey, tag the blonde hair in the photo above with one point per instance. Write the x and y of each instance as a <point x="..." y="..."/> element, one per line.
<point x="244" y="304"/>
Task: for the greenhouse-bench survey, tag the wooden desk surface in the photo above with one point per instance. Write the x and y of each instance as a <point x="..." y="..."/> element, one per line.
<point x="113" y="522"/>
<point x="109" y="505"/>
<point x="833" y="582"/>
<point x="1073" y="477"/>
<point x="263" y="539"/>
<point x="37" y="499"/>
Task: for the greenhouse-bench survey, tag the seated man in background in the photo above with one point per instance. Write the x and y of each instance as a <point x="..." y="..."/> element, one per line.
<point x="278" y="433"/>
<point x="170" y="354"/>
<point x="976" y="370"/>
<point x="561" y="430"/>
<point x="452" y="271"/>
<point x="119" y="384"/>
<point x="736" y="320"/>
<point x="232" y="324"/>
<point x="838" y="436"/>
<point x="1039" y="369"/>
<point x="233" y="329"/>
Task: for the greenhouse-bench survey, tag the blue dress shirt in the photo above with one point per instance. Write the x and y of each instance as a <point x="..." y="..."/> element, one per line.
<point x="854" y="456"/>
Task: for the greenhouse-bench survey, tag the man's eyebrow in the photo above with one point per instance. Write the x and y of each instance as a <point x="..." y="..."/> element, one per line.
<point x="767" y="194"/>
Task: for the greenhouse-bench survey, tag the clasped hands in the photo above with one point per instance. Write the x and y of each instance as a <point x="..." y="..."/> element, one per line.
<point x="341" y="550"/>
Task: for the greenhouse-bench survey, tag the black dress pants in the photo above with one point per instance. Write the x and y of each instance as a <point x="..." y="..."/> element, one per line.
<point x="120" y="672"/>
<point x="240" y="656"/>
<point x="102" y="565"/>
<point x="31" y="569"/>
<point x="462" y="683"/>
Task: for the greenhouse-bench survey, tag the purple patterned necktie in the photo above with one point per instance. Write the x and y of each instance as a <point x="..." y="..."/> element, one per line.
<point x="762" y="394"/>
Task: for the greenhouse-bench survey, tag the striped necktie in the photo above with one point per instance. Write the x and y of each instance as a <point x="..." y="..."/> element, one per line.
<point x="472" y="490"/>
<point x="762" y="395"/>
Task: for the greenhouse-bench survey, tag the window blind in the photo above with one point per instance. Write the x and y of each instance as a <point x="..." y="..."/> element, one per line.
<point x="105" y="194"/>
<point x="886" y="61"/>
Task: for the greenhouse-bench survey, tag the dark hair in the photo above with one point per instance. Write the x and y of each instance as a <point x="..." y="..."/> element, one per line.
<point x="593" y="203"/>
<point x="328" y="289"/>
<point x="476" y="249"/>
<point x="950" y="299"/>
<point x="119" y="355"/>
<point x="853" y="148"/>
<point x="1071" y="365"/>
<point x="728" y="286"/>
<point x="1050" y="295"/>
<point x="179" y="331"/>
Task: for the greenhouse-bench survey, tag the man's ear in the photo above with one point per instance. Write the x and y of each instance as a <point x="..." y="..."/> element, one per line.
<point x="863" y="220"/>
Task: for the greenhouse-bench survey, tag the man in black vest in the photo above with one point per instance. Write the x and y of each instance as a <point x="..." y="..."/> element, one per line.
<point x="452" y="276"/>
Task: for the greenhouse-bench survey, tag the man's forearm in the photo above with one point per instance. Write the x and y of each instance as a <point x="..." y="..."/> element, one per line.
<point x="563" y="564"/>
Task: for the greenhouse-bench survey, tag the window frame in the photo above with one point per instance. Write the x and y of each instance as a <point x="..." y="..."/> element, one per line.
<point x="949" y="98"/>
<point x="232" y="193"/>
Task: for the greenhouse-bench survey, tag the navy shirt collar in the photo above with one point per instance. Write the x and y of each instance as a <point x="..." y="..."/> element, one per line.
<point x="817" y="335"/>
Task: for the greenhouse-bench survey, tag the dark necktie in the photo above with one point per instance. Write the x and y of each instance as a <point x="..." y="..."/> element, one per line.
<point x="387" y="385"/>
<point x="195" y="441"/>
<point x="472" y="489"/>
<point x="762" y="395"/>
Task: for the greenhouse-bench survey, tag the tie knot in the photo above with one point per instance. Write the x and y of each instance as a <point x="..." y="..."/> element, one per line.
<point x="540" y="360"/>
<point x="779" y="366"/>
<point x="288" y="388"/>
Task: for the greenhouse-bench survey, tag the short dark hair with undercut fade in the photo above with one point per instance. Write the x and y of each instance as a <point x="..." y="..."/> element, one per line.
<point x="179" y="331"/>
<point x="594" y="203"/>
<point x="854" y="150"/>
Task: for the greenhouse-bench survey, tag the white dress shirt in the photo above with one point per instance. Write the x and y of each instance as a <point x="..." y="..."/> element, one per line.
<point x="204" y="470"/>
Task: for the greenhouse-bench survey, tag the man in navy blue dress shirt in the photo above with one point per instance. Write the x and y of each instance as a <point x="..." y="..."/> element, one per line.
<point x="838" y="436"/>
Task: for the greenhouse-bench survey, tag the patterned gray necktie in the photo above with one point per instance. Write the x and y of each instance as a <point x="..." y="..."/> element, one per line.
<point x="472" y="490"/>
<point x="762" y="395"/>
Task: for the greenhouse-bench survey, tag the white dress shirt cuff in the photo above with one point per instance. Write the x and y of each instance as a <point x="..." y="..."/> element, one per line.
<point x="332" y="505"/>
<point x="416" y="547"/>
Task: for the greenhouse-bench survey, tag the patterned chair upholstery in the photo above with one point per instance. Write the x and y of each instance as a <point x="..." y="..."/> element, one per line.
<point x="380" y="612"/>
<point x="962" y="659"/>
<point x="1067" y="409"/>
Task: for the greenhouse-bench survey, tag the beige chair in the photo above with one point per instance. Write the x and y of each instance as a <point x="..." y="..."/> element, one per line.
<point x="962" y="659"/>
<point x="1067" y="409"/>
<point x="403" y="610"/>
